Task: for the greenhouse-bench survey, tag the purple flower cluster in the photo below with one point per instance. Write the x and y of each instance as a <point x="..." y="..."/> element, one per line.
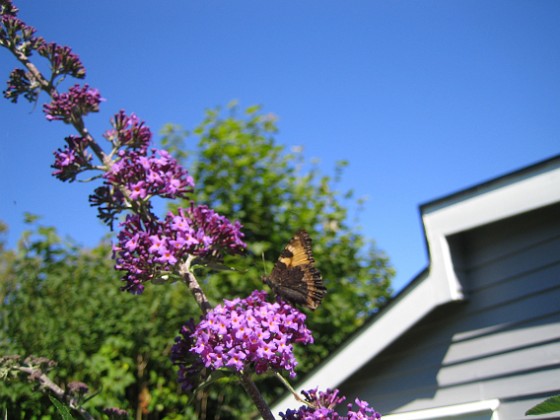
<point x="148" y="247"/>
<point x="191" y="369"/>
<point x="7" y="8"/>
<point x="19" y="83"/>
<point x="143" y="176"/>
<point x="14" y="33"/>
<point x="128" y="131"/>
<point x="62" y="59"/>
<point x="136" y="174"/>
<point x="146" y="250"/>
<point x="115" y="413"/>
<point x="251" y="331"/>
<point x="19" y="38"/>
<point x="77" y="388"/>
<point x="71" y="160"/>
<point x="322" y="405"/>
<point x="243" y="333"/>
<point x="77" y="102"/>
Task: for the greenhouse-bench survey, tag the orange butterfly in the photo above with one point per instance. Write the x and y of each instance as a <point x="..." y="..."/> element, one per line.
<point x="294" y="276"/>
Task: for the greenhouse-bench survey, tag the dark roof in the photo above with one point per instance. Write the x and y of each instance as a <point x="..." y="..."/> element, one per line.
<point x="491" y="184"/>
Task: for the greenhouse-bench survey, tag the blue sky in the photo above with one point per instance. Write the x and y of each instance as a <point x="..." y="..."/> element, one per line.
<point x="423" y="98"/>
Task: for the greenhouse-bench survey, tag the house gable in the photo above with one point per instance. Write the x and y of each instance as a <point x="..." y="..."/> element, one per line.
<point x="433" y="344"/>
<point x="502" y="342"/>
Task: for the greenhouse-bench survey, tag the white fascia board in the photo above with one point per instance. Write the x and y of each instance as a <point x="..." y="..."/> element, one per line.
<point x="506" y="199"/>
<point x="392" y="323"/>
<point x="489" y="406"/>
<point x="513" y="197"/>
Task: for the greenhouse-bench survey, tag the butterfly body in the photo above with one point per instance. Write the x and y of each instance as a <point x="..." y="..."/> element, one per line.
<point x="294" y="276"/>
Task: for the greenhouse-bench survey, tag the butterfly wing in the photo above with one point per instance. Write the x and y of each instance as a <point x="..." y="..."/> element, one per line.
<point x="294" y="276"/>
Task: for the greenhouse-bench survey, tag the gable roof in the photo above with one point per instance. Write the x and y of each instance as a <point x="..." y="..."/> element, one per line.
<point x="509" y="195"/>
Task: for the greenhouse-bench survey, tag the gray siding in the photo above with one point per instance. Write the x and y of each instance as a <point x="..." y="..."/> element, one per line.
<point x="503" y="342"/>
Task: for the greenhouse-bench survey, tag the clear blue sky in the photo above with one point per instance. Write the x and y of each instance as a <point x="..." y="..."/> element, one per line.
<point x="423" y="98"/>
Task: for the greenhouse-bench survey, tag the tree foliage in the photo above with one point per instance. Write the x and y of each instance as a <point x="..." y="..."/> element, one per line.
<point x="242" y="172"/>
<point x="64" y="303"/>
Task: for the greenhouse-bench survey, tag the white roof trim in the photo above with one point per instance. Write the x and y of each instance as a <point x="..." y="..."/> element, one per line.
<point x="508" y="196"/>
<point x="489" y="406"/>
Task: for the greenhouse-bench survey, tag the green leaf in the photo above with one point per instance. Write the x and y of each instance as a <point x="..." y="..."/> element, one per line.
<point x="550" y="405"/>
<point x="216" y="376"/>
<point x="61" y="408"/>
<point x="30" y="218"/>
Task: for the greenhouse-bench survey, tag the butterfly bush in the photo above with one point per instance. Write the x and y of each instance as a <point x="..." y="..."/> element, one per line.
<point x="324" y="405"/>
<point x="240" y="334"/>
<point x="145" y="249"/>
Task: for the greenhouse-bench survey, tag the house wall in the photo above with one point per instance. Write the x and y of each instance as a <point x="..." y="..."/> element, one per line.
<point x="502" y="342"/>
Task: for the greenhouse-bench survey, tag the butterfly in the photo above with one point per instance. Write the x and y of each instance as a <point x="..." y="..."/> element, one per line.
<point x="294" y="276"/>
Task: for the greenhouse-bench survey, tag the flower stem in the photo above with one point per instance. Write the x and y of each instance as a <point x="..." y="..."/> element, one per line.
<point x="256" y="396"/>
<point x="287" y="385"/>
<point x="46" y="382"/>
<point x="204" y="304"/>
<point x="193" y="285"/>
<point x="292" y="390"/>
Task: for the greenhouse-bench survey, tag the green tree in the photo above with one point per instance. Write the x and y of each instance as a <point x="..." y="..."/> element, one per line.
<point x="64" y="303"/>
<point x="242" y="172"/>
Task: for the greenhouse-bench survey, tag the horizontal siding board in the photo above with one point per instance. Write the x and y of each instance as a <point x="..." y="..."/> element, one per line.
<point x="423" y="382"/>
<point x="501" y="364"/>
<point x="523" y="335"/>
<point x="526" y="384"/>
<point x="514" y="265"/>
<point x="531" y="298"/>
<point x="511" y="236"/>
<point x="416" y="356"/>
<point x="526" y="282"/>
<point x="497" y="318"/>
<point x="455" y="328"/>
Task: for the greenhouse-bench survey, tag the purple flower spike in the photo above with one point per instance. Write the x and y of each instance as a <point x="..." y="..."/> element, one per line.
<point x="146" y="176"/>
<point x="7" y="8"/>
<point x="14" y="33"/>
<point x="129" y="131"/>
<point x="62" y="59"/>
<point x="146" y="250"/>
<point x="71" y="160"/>
<point x="323" y="405"/>
<point x="77" y="102"/>
<point x="237" y="335"/>
<point x="20" y="83"/>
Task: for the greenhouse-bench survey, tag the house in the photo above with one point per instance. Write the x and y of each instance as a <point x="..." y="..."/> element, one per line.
<point x="476" y="335"/>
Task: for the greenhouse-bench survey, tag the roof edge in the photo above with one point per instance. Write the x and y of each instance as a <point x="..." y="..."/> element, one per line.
<point x="490" y="184"/>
